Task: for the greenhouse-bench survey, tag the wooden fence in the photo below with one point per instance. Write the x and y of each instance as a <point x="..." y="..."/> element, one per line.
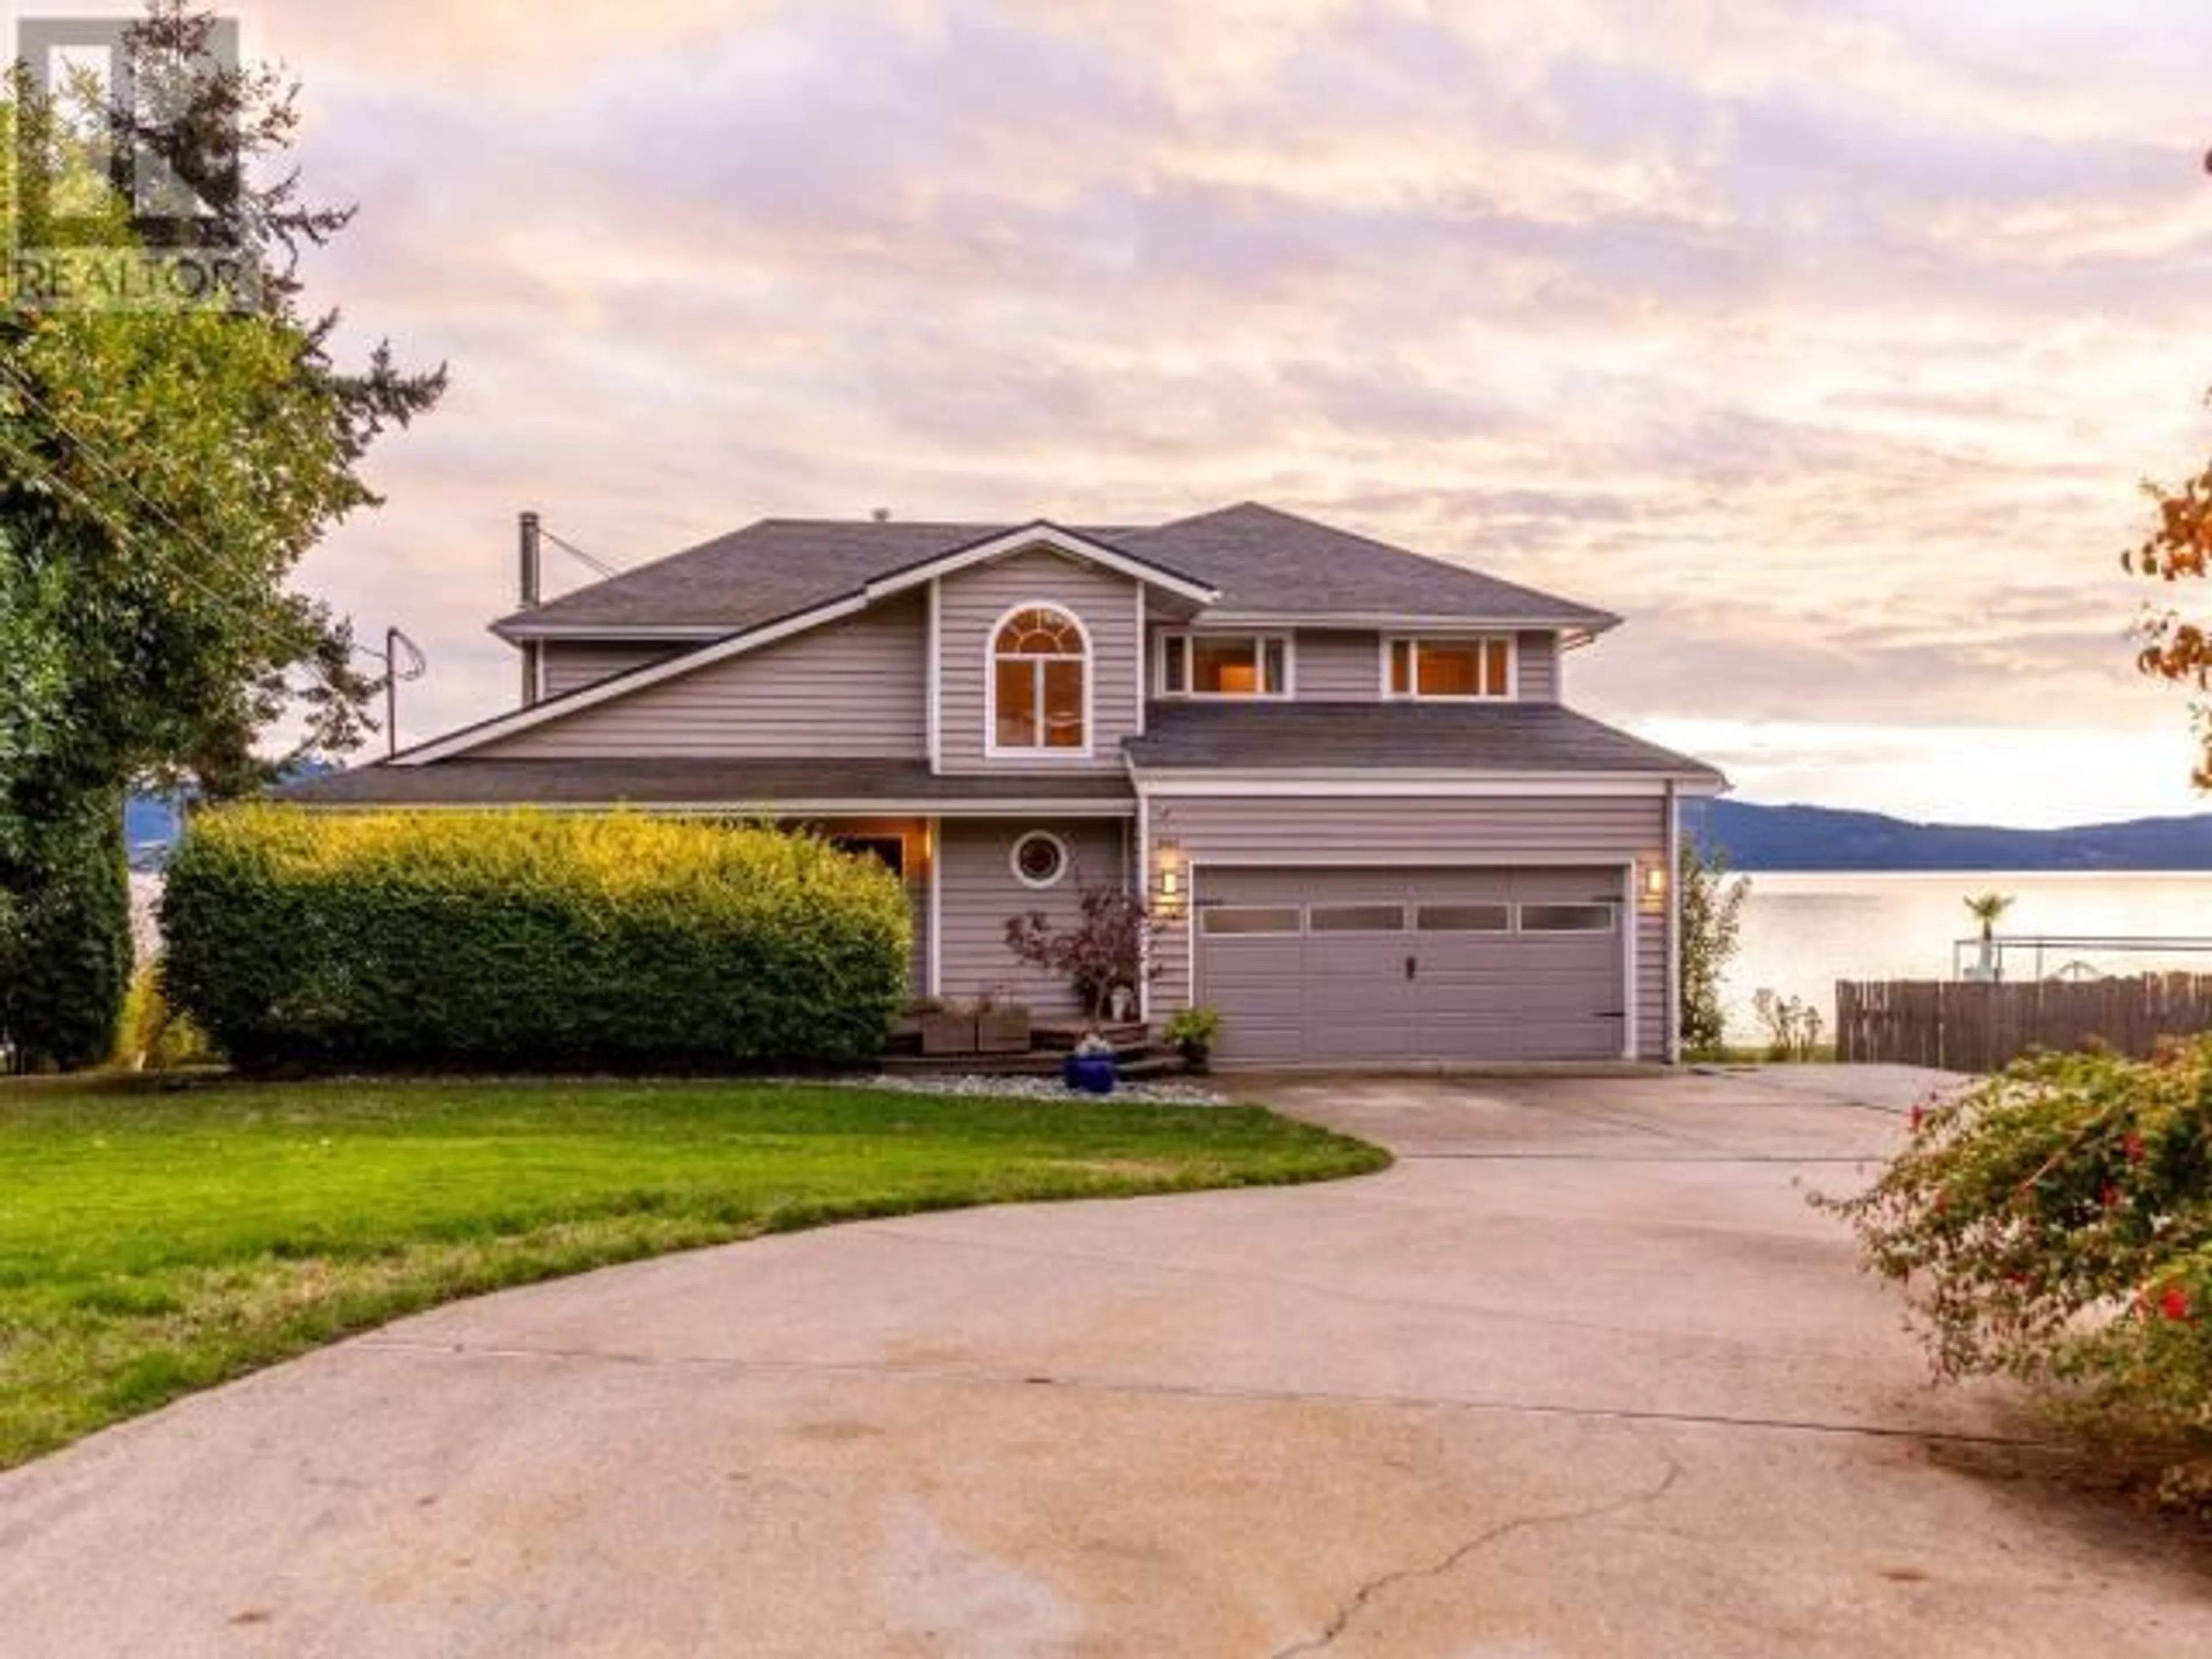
<point x="1962" y="1025"/>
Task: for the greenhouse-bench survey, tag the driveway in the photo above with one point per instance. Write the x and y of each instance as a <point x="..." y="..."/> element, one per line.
<point x="1582" y="1375"/>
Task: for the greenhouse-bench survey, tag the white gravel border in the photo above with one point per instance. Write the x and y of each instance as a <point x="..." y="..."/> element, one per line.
<point x="1049" y="1088"/>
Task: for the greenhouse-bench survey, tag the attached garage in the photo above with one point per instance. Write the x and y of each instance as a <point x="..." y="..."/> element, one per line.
<point x="1365" y="966"/>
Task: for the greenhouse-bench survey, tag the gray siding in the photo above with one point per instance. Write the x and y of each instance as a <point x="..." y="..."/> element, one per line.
<point x="980" y="894"/>
<point x="1338" y="666"/>
<point x="1383" y="831"/>
<point x="1538" y="656"/>
<point x="853" y="688"/>
<point x="970" y="605"/>
<point x="571" y="664"/>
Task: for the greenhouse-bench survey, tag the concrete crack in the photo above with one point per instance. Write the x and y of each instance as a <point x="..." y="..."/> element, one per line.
<point x="1367" y="1594"/>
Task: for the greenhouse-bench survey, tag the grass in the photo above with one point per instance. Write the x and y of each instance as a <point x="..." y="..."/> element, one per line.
<point x="153" y="1242"/>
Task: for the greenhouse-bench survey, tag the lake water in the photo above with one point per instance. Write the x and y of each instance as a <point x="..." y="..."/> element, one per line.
<point x="1803" y="933"/>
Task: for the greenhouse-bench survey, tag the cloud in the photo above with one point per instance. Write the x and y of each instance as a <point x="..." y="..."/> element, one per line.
<point x="1826" y="344"/>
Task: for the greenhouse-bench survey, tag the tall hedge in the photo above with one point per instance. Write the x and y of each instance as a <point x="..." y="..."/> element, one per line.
<point x="65" y="948"/>
<point x="527" y="941"/>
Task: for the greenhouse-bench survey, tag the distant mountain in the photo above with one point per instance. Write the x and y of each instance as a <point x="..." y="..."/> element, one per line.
<point x="153" y="824"/>
<point x="1822" y="838"/>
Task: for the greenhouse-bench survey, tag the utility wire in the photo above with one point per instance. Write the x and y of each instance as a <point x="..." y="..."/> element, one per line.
<point x="91" y="453"/>
<point x="568" y="547"/>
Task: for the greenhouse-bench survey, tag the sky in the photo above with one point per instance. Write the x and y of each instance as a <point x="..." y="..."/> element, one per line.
<point x="1828" y="344"/>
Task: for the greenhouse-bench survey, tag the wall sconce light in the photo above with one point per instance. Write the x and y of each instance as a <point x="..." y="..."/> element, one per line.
<point x="1655" y="881"/>
<point x="1168" y="884"/>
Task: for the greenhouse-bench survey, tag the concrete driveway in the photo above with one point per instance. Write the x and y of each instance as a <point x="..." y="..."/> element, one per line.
<point x="1582" y="1375"/>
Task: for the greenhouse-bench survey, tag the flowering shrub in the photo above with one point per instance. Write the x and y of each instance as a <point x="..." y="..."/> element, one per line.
<point x="2054" y="1223"/>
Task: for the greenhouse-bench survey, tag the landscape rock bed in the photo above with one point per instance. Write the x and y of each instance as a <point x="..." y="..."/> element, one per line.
<point x="1051" y="1088"/>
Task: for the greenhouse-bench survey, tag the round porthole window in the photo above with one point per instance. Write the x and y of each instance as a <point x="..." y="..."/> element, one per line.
<point x="1040" y="859"/>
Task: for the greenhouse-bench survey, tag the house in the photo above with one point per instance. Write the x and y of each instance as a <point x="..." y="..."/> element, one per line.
<point x="1343" y="774"/>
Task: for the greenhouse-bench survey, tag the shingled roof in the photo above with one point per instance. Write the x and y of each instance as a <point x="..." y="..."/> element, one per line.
<point x="1500" y="737"/>
<point x="1263" y="561"/>
<point x="690" y="780"/>
<point x="1276" y="563"/>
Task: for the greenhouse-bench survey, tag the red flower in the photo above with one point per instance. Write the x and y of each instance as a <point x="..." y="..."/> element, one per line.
<point x="2110" y="1198"/>
<point x="1916" y="1118"/>
<point x="2173" y="1302"/>
<point x="2133" y="1146"/>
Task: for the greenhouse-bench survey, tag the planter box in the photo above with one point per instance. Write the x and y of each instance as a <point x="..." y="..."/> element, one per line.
<point x="1003" y="1031"/>
<point x="948" y="1034"/>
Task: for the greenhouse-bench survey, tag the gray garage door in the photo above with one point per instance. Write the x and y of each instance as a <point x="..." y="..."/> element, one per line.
<point x="1366" y="965"/>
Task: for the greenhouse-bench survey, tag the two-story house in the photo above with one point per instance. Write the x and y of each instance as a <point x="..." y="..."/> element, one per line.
<point x="1341" y="773"/>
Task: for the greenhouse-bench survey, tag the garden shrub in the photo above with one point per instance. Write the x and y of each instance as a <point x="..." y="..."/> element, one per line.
<point x="65" y="957"/>
<point x="528" y="941"/>
<point x="153" y="1036"/>
<point x="2054" y="1223"/>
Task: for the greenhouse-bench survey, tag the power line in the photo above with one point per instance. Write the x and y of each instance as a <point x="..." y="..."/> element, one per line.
<point x="596" y="563"/>
<point x="91" y="453"/>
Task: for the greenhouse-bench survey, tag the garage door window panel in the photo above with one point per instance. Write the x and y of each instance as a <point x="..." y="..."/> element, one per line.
<point x="1567" y="918"/>
<point x="1249" y="921"/>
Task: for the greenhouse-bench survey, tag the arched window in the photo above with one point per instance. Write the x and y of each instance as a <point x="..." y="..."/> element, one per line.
<point x="1040" y="666"/>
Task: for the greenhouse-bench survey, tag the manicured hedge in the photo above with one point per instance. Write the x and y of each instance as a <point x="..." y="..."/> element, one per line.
<point x="527" y="941"/>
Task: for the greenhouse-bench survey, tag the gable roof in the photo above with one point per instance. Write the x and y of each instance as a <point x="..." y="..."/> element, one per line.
<point x="1260" y="561"/>
<point x="720" y="647"/>
<point x="763" y="573"/>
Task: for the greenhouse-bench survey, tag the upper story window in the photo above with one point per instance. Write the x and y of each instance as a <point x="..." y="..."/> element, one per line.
<point x="1040" y="682"/>
<point x="1449" y="668"/>
<point x="1225" y="665"/>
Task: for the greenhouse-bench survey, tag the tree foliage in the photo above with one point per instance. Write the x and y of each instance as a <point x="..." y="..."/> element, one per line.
<point x="2171" y="646"/>
<point x="1712" y="902"/>
<point x="2054" y="1223"/>
<point x="163" y="470"/>
<point x="65" y="951"/>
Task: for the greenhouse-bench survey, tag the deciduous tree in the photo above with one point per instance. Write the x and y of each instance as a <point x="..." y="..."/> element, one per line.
<point x="162" y="471"/>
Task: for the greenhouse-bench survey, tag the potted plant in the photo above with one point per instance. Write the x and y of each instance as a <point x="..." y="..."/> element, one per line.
<point x="1092" y="1068"/>
<point x="1192" y="1033"/>
<point x="1002" y="1025"/>
<point x="948" y="1028"/>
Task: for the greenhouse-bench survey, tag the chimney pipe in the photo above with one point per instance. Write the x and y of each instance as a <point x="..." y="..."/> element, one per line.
<point x="529" y="561"/>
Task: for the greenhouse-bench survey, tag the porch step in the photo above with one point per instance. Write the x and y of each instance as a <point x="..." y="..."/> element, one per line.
<point x="1046" y="1037"/>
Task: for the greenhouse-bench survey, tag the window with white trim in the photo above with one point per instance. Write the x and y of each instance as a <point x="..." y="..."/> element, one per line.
<point x="1472" y="669"/>
<point x="1040" y="859"/>
<point x="1040" y="667"/>
<point x="1225" y="665"/>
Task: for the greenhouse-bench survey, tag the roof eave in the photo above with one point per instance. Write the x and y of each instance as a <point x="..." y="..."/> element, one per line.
<point x="1584" y="624"/>
<point x="523" y="626"/>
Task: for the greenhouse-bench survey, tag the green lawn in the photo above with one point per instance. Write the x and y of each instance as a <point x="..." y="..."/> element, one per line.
<point x="153" y="1241"/>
